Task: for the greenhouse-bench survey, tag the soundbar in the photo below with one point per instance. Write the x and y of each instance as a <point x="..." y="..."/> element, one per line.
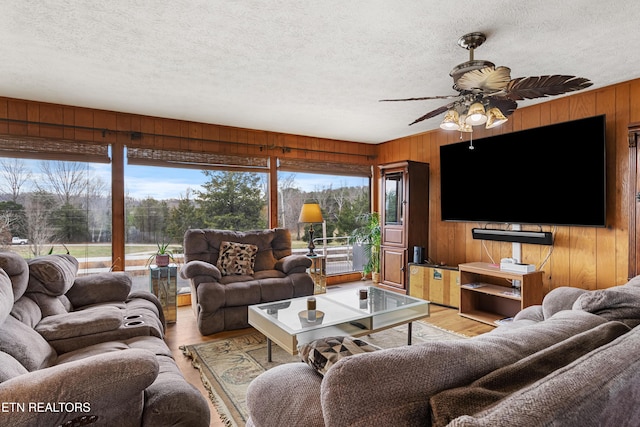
<point x="519" y="236"/>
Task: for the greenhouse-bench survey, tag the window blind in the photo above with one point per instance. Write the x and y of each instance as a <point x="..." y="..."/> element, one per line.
<point x="195" y="160"/>
<point x="321" y="167"/>
<point x="53" y="149"/>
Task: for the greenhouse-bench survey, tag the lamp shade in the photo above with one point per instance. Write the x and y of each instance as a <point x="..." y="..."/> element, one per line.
<point x="450" y="121"/>
<point x="495" y="118"/>
<point x="476" y="115"/>
<point x="310" y="212"/>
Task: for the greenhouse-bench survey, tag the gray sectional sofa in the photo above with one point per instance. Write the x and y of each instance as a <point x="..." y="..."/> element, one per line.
<point x="85" y="351"/>
<point x="262" y="269"/>
<point x="571" y="361"/>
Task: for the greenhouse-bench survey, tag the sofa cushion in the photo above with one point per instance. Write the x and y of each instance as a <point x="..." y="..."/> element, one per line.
<point x="18" y="271"/>
<point x="27" y="311"/>
<point x="235" y="278"/>
<point x="323" y="353"/>
<point x="6" y="296"/>
<point x="10" y="367"/>
<point x="236" y="258"/>
<point x="264" y="239"/>
<point x="25" y="345"/>
<point x="52" y="274"/>
<point x="99" y="288"/>
<point x="450" y="404"/>
<point x="618" y="303"/>
<point x="80" y="323"/>
<point x="49" y="305"/>
<point x="268" y="274"/>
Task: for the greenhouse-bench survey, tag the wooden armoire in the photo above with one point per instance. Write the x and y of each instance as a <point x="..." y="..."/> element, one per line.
<point x="404" y="219"/>
<point x="634" y="200"/>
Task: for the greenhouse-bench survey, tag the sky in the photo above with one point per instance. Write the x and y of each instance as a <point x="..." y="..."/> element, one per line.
<point x="160" y="183"/>
<point x="142" y="181"/>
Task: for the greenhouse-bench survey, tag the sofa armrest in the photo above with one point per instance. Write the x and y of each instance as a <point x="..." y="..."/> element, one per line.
<point x="99" y="288"/>
<point x="533" y="313"/>
<point x="97" y="386"/>
<point x="93" y="320"/>
<point x="293" y="264"/>
<point x="561" y="298"/>
<point x="200" y="268"/>
<point x="286" y="395"/>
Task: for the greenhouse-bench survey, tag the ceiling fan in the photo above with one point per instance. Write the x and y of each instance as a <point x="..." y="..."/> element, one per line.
<point x="487" y="94"/>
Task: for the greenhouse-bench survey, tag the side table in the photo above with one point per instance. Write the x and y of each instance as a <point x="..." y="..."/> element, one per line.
<point x="163" y="282"/>
<point x="318" y="272"/>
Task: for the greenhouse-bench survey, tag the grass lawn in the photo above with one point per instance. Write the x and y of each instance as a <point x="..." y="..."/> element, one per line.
<point x="91" y="250"/>
<point x="100" y="250"/>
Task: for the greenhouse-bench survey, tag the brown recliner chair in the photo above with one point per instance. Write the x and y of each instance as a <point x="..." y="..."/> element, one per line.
<point x="220" y="296"/>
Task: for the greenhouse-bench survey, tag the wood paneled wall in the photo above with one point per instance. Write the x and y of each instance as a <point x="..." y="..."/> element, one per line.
<point x="38" y="119"/>
<point x="589" y="258"/>
<point x="584" y="257"/>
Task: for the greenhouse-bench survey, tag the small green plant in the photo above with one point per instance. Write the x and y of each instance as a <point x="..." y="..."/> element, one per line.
<point x="163" y="251"/>
<point x="370" y="237"/>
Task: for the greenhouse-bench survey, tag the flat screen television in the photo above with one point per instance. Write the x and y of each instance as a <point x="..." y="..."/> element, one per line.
<point x="550" y="175"/>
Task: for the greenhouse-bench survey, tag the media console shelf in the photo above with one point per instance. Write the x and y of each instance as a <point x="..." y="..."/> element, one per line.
<point x="487" y="295"/>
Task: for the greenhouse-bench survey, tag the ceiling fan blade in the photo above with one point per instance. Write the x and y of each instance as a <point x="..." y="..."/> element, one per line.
<point x="541" y="86"/>
<point x="433" y="113"/>
<point x="487" y="79"/>
<point x="506" y="105"/>
<point x="422" y="98"/>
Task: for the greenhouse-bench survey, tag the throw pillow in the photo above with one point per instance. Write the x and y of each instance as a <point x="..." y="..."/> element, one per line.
<point x="323" y="353"/>
<point x="236" y="258"/>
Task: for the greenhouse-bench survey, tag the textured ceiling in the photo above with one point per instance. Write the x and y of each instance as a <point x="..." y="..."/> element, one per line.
<point x="308" y="68"/>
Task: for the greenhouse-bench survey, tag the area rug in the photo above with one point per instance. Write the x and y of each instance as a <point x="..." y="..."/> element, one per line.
<point x="228" y="365"/>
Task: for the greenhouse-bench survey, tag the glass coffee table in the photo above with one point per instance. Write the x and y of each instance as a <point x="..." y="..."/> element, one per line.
<point x="288" y="323"/>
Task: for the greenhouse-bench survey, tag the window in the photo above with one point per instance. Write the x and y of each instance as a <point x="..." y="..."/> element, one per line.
<point x="168" y="193"/>
<point x="56" y="206"/>
<point x="343" y="198"/>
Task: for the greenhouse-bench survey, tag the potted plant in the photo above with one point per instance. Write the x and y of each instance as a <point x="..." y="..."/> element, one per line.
<point x="369" y="236"/>
<point x="163" y="255"/>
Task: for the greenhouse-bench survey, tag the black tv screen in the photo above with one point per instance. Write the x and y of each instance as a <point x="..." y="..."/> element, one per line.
<point x="550" y="175"/>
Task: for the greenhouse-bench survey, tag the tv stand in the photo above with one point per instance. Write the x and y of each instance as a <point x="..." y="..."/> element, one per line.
<point x="486" y="294"/>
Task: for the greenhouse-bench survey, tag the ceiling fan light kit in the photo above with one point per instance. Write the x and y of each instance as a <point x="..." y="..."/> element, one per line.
<point x="487" y="95"/>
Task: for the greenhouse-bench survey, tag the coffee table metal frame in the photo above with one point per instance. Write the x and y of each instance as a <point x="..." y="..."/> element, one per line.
<point x="338" y="313"/>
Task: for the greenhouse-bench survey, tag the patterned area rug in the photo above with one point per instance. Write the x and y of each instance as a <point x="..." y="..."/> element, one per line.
<point x="228" y="365"/>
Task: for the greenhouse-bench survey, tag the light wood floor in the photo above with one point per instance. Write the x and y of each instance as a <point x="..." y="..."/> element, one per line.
<point x="185" y="331"/>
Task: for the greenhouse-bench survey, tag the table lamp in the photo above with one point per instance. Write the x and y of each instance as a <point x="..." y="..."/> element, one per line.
<point x="311" y="213"/>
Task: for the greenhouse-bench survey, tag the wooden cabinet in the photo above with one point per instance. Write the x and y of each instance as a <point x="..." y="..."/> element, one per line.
<point x="634" y="200"/>
<point x="487" y="295"/>
<point x="404" y="218"/>
<point x="437" y="284"/>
